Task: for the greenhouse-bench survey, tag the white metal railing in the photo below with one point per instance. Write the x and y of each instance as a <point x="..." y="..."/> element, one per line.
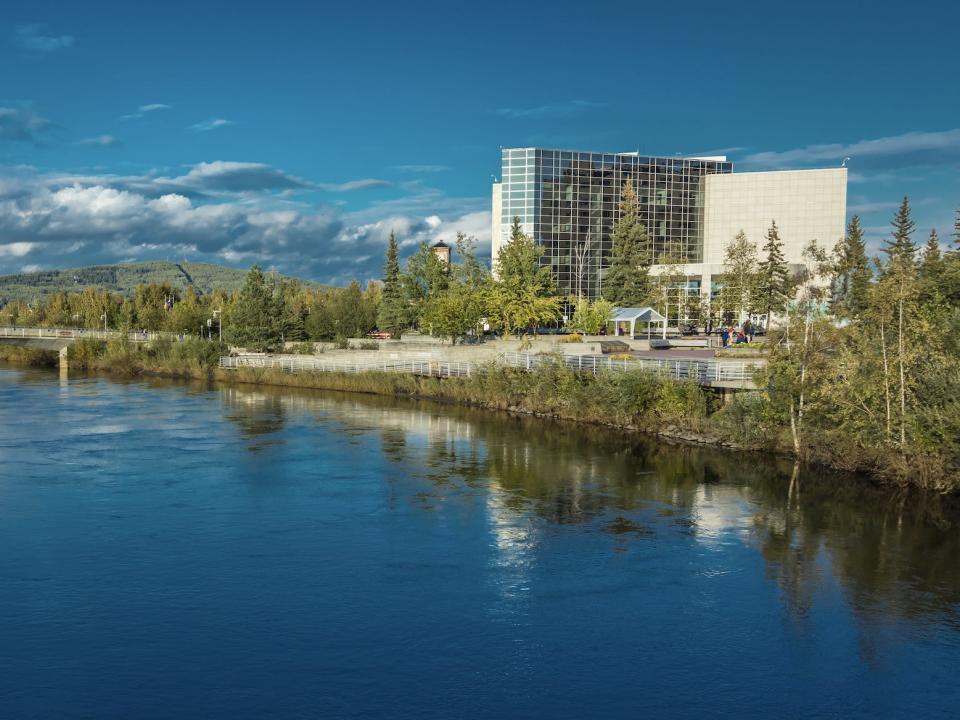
<point x="705" y="372"/>
<point x="75" y="333"/>
<point x="298" y="363"/>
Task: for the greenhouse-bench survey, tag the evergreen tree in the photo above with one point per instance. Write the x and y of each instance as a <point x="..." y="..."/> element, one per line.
<point x="425" y="277"/>
<point x="393" y="315"/>
<point x="524" y="294"/>
<point x="256" y="316"/>
<point x="773" y="276"/>
<point x="901" y="246"/>
<point x="627" y="281"/>
<point x="956" y="229"/>
<point x="931" y="267"/>
<point x="931" y="253"/>
<point x="852" y="274"/>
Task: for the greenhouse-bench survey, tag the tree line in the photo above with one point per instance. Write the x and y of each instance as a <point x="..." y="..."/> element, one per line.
<point x="865" y="370"/>
<point x="266" y="311"/>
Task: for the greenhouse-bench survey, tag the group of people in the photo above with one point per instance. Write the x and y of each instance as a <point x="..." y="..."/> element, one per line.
<point x="732" y="336"/>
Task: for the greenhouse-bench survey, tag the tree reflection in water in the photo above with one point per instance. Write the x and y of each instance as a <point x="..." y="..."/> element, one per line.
<point x="259" y="415"/>
<point x="890" y="551"/>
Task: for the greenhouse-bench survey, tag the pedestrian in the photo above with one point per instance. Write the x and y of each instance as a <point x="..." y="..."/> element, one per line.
<point x="725" y="336"/>
<point x="748" y="330"/>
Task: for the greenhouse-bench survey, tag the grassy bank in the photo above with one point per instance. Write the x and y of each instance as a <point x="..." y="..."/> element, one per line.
<point x="28" y="357"/>
<point x="628" y="400"/>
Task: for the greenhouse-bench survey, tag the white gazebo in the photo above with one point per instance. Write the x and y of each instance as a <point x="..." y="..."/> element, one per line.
<point x="633" y="316"/>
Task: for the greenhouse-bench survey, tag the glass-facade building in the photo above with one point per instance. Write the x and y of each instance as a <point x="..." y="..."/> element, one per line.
<point x="569" y="201"/>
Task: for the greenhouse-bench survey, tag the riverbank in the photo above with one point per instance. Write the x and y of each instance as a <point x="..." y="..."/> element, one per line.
<point x="631" y="401"/>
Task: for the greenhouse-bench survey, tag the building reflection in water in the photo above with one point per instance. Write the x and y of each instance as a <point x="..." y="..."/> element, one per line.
<point x="890" y="552"/>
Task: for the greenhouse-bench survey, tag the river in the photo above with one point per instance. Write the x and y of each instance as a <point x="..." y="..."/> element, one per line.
<point x="173" y="550"/>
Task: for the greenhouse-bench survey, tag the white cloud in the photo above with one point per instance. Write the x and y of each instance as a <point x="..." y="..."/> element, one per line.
<point x="352" y="185"/>
<point x="233" y="176"/>
<point x="57" y="220"/>
<point x="210" y="124"/>
<point x="552" y="110"/>
<point x="904" y="150"/>
<point x="144" y="109"/>
<point x="16" y="249"/>
<point x="29" y="37"/>
<point x="421" y="168"/>
<point x="21" y="123"/>
<point x="870" y="207"/>
<point x="103" y="140"/>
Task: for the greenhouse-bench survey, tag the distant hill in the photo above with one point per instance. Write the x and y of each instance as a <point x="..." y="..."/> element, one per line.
<point x="121" y="278"/>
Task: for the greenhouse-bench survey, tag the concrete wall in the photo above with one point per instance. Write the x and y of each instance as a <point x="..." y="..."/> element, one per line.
<point x="495" y="240"/>
<point x="807" y="205"/>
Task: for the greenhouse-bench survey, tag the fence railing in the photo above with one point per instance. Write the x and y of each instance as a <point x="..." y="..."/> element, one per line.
<point x="75" y="333"/>
<point x="295" y="363"/>
<point x="705" y="372"/>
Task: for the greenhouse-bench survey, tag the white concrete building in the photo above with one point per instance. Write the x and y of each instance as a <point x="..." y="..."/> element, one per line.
<point x="806" y="205"/>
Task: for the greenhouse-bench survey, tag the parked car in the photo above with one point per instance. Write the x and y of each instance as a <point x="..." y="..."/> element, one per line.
<point x="378" y="335"/>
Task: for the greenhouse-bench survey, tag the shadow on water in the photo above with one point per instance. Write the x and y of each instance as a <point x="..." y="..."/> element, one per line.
<point x="891" y="551"/>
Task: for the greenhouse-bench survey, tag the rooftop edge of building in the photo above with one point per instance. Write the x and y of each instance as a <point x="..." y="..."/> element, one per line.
<point x="631" y="153"/>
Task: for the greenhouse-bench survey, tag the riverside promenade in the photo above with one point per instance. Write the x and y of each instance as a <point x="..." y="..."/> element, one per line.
<point x="427" y="358"/>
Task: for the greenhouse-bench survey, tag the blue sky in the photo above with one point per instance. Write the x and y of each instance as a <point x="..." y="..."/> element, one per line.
<point x="297" y="135"/>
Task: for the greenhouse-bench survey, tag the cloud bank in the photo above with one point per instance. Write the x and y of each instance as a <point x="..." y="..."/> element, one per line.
<point x="222" y="211"/>
<point x="910" y="149"/>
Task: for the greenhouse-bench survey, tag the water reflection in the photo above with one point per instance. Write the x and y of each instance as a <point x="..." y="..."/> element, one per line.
<point x="891" y="551"/>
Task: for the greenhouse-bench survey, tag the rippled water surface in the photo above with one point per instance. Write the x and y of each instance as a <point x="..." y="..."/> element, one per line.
<point x="172" y="551"/>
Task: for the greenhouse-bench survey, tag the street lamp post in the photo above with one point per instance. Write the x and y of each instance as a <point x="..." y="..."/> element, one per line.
<point x="218" y="314"/>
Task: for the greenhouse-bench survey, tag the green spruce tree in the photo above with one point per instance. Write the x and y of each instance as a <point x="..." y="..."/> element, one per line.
<point x="393" y="314"/>
<point x="901" y="246"/>
<point x="524" y="295"/>
<point x="931" y="256"/>
<point x="627" y="281"/>
<point x="852" y="275"/>
<point x="931" y="267"/>
<point x="773" y="276"/>
<point x="256" y="316"/>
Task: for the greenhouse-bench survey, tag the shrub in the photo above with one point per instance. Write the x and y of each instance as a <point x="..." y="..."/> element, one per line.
<point x="744" y="419"/>
<point x="341" y="343"/>
<point x="369" y="345"/>
<point x="85" y="352"/>
<point x="304" y="348"/>
<point x="681" y="400"/>
<point x="571" y="338"/>
<point x="628" y="397"/>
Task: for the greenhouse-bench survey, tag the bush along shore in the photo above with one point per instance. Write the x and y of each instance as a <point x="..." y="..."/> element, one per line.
<point x="636" y="401"/>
